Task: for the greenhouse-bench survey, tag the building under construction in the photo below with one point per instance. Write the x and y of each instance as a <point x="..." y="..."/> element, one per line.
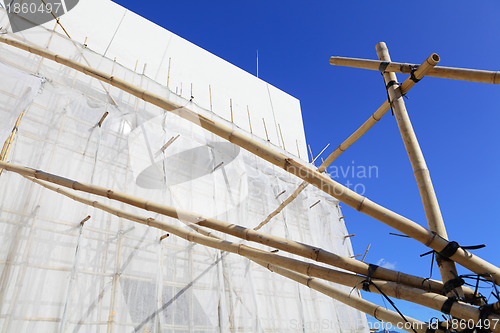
<point x="153" y="187"/>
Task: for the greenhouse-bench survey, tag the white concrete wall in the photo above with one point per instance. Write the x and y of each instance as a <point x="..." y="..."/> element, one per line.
<point x="119" y="33"/>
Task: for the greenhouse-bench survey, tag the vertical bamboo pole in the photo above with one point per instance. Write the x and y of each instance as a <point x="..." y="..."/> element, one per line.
<point x="433" y="213"/>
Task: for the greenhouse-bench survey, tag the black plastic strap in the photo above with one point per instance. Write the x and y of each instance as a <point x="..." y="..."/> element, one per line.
<point x="412" y="74"/>
<point x="383" y="66"/>
<point x="387" y="86"/>
<point x="371" y="269"/>
<point x="452" y="284"/>
<point x="366" y="283"/>
<point x="391" y="83"/>
<point x="447" y="305"/>
<point x="449" y="250"/>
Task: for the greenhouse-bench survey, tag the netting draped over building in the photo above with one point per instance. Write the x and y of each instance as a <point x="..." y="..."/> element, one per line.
<point x="115" y="275"/>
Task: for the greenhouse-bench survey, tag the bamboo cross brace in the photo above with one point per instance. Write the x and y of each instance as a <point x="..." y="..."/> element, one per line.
<point x="324" y="183"/>
<point x="431" y="206"/>
<point x="195" y="221"/>
<point x="393" y="289"/>
<point x="463" y="74"/>
<point x="422" y="70"/>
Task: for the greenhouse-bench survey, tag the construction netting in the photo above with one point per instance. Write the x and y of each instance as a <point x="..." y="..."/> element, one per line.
<point x="111" y="274"/>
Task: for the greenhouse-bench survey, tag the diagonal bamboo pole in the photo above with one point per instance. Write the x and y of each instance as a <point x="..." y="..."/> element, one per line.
<point x="422" y="70"/>
<point x="431" y="206"/>
<point x="374" y="310"/>
<point x="324" y="183"/>
<point x="195" y="221"/>
<point x="435" y="301"/>
<point x="463" y="74"/>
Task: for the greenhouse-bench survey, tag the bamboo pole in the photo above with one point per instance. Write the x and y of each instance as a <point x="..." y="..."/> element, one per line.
<point x="392" y="289"/>
<point x="431" y="206"/>
<point x="196" y="221"/>
<point x="302" y="171"/>
<point x="422" y="70"/>
<point x="374" y="310"/>
<point x="463" y="74"/>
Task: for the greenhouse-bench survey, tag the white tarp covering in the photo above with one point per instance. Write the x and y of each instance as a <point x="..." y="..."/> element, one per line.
<point x="113" y="275"/>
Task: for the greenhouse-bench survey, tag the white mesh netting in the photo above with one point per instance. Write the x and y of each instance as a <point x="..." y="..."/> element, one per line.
<point x="115" y="275"/>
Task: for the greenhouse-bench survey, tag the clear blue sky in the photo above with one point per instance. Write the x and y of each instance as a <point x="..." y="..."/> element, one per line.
<point x="456" y="122"/>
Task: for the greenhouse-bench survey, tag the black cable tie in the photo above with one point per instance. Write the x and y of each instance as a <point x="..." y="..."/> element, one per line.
<point x="383" y="66"/>
<point x="452" y="284"/>
<point x="451" y="248"/>
<point x="447" y="305"/>
<point x="412" y="73"/>
<point x="387" y="86"/>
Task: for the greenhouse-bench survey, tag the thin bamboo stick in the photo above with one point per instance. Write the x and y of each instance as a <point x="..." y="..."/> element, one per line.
<point x="265" y="129"/>
<point x="8" y="143"/>
<point x="429" y="199"/>
<point x="427" y="65"/>
<point x="210" y="93"/>
<point x="366" y="252"/>
<point x="319" y="180"/>
<point x="231" y="107"/>
<point x="249" y="120"/>
<point x="357" y="303"/>
<point x="195" y="221"/>
<point x="281" y="134"/>
<point x="310" y="152"/>
<point x="391" y="289"/>
<point x="168" y="74"/>
<point x="463" y="74"/>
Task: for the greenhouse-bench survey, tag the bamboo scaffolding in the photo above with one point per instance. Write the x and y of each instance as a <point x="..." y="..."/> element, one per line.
<point x="357" y="303"/>
<point x="463" y="74"/>
<point x="429" y="199"/>
<point x="392" y="289"/>
<point x="422" y="70"/>
<point x="196" y="221"/>
<point x="304" y="172"/>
